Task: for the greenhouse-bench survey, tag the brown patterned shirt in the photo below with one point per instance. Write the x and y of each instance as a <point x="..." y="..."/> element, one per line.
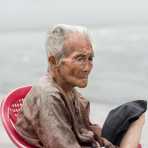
<point x="50" y="118"/>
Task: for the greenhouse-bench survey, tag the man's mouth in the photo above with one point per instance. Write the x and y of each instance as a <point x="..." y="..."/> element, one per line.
<point x="84" y="77"/>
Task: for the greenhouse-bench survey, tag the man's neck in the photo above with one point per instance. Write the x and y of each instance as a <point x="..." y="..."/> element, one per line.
<point x="61" y="83"/>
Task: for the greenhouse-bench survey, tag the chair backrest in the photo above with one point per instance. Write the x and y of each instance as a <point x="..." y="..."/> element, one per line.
<point x="10" y="106"/>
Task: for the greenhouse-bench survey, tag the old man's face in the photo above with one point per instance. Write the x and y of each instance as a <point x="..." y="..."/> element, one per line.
<point x="78" y="62"/>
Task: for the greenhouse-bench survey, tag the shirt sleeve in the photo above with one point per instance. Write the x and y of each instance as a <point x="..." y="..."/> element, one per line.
<point x="54" y="128"/>
<point x="85" y="106"/>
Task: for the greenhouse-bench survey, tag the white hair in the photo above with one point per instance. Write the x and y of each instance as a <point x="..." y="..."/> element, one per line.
<point x="56" y="38"/>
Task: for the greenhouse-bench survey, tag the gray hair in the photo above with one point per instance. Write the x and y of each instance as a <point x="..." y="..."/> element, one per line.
<point x="56" y="37"/>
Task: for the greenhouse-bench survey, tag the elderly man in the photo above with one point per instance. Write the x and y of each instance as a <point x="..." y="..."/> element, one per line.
<point x="54" y="114"/>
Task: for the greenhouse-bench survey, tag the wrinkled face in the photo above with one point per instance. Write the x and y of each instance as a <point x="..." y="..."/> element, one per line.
<point x="77" y="64"/>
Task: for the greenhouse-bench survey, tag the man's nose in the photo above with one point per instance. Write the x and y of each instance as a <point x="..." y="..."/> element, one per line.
<point x="87" y="67"/>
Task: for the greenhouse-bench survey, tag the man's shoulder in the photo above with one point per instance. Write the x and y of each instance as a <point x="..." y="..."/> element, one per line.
<point x="45" y="85"/>
<point x="42" y="88"/>
<point x="44" y="92"/>
<point x="40" y="95"/>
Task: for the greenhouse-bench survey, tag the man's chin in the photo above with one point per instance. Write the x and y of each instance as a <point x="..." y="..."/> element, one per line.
<point x="82" y="85"/>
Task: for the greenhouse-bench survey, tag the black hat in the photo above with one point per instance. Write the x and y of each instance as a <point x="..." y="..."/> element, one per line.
<point x="120" y="118"/>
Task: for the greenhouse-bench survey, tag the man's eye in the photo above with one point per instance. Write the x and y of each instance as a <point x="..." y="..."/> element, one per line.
<point x="80" y="59"/>
<point x="90" y="58"/>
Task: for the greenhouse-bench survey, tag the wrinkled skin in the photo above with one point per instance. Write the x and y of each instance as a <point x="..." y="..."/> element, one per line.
<point x="74" y="68"/>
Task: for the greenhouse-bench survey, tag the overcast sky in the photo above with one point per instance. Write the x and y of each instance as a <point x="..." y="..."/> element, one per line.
<point x="28" y="14"/>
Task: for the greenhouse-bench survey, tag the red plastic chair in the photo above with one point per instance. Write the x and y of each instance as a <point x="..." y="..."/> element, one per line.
<point x="10" y="107"/>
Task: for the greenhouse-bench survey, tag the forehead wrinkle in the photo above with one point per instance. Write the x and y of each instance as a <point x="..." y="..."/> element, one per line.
<point x="82" y="53"/>
<point x="86" y="52"/>
<point x="77" y="41"/>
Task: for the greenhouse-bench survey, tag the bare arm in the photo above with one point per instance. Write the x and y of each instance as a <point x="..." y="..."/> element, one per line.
<point x="133" y="135"/>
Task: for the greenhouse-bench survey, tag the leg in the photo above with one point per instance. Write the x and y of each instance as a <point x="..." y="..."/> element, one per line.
<point x="133" y="135"/>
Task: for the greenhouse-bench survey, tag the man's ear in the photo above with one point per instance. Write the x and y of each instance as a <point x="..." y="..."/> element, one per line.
<point x="52" y="61"/>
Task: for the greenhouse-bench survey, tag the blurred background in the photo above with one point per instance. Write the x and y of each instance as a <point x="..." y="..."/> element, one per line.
<point x="119" y="32"/>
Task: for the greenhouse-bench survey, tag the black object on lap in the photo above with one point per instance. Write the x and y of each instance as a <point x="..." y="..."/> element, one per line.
<point x="120" y="118"/>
